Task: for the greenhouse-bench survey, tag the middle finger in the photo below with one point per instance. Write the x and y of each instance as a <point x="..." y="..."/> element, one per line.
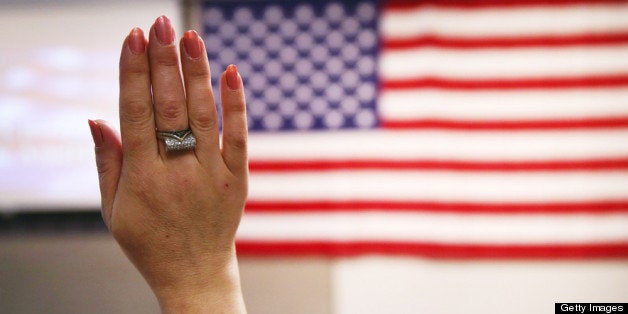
<point x="167" y="87"/>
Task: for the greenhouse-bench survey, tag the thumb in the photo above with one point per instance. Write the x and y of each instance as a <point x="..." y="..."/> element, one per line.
<point x="108" y="148"/>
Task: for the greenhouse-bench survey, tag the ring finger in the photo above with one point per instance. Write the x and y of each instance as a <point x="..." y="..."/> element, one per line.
<point x="167" y="87"/>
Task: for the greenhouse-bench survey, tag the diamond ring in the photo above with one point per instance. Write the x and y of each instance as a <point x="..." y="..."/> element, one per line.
<point x="177" y="141"/>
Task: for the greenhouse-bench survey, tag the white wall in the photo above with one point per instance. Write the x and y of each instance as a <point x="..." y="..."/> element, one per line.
<point x="410" y="285"/>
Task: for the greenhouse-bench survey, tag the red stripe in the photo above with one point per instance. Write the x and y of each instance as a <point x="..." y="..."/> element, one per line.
<point x="505" y="42"/>
<point x="500" y="84"/>
<point x="593" y="123"/>
<point x="437" y="165"/>
<point x="591" y="207"/>
<point x="480" y="4"/>
<point x="432" y="250"/>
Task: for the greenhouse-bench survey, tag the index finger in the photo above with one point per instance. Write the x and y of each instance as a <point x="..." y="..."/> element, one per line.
<point x="137" y="125"/>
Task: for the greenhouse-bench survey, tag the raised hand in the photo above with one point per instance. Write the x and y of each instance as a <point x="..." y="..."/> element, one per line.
<point x="175" y="213"/>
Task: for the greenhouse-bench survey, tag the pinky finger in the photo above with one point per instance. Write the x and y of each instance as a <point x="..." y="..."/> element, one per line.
<point x="234" y="133"/>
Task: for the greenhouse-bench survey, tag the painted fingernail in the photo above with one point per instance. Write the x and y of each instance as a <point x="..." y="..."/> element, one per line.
<point x="193" y="45"/>
<point x="96" y="132"/>
<point x="163" y="30"/>
<point x="137" y="42"/>
<point x="233" y="78"/>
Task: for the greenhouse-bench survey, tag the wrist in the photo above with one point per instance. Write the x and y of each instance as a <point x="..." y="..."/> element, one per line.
<point x="214" y="301"/>
<point x="214" y="291"/>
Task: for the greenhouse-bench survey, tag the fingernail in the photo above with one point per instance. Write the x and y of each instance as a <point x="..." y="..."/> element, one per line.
<point x="96" y="132"/>
<point x="137" y="42"/>
<point x="233" y="78"/>
<point x="193" y="45"/>
<point x="163" y="30"/>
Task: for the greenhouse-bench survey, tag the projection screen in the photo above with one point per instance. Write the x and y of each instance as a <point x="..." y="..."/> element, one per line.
<point x="58" y="68"/>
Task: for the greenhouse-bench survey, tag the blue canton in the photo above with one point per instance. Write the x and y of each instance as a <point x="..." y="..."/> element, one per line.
<point x="305" y="65"/>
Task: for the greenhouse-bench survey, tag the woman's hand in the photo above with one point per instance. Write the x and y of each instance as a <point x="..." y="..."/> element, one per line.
<point x="175" y="214"/>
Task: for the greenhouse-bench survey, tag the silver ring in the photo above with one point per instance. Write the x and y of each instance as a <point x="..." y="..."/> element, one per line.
<point x="178" y="141"/>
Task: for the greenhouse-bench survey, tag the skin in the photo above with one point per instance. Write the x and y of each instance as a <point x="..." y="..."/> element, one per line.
<point x="175" y="215"/>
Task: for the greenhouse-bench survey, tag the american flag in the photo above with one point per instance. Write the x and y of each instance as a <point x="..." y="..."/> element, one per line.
<point x="484" y="129"/>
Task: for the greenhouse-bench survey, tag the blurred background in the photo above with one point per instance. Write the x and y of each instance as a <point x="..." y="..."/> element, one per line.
<point x="406" y="156"/>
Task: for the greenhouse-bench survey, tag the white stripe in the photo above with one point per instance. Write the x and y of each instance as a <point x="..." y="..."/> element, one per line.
<point x="504" y="63"/>
<point x="439" y="145"/>
<point x="509" y="21"/>
<point x="504" y="105"/>
<point x="442" y="228"/>
<point x="440" y="186"/>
